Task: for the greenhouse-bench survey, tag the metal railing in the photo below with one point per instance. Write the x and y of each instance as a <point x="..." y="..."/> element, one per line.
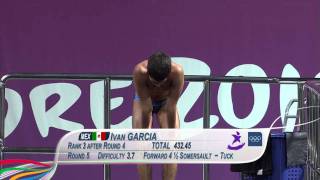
<point x="311" y="111"/>
<point x="107" y="95"/>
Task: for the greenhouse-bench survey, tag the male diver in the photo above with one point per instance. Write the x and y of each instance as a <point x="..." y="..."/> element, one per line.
<point x="158" y="84"/>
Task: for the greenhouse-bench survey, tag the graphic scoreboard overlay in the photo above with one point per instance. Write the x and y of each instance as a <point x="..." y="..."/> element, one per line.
<point x="196" y="146"/>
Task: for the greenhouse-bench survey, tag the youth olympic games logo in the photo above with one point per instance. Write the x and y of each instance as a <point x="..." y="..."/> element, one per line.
<point x="236" y="144"/>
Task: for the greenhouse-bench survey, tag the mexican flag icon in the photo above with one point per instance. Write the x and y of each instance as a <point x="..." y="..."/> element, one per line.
<point x="100" y="136"/>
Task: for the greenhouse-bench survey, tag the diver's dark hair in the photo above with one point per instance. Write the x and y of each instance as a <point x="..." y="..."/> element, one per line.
<point x="159" y="65"/>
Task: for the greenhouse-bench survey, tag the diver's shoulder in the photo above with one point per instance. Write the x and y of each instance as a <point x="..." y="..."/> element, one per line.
<point x="177" y="69"/>
<point x="140" y="68"/>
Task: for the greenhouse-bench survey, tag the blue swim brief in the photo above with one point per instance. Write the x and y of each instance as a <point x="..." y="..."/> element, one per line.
<point x="156" y="104"/>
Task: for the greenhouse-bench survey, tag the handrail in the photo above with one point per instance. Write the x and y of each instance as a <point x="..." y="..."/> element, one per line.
<point x="71" y="76"/>
<point x="287" y="116"/>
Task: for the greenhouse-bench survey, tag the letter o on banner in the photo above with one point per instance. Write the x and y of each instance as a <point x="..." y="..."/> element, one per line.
<point x="261" y="98"/>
